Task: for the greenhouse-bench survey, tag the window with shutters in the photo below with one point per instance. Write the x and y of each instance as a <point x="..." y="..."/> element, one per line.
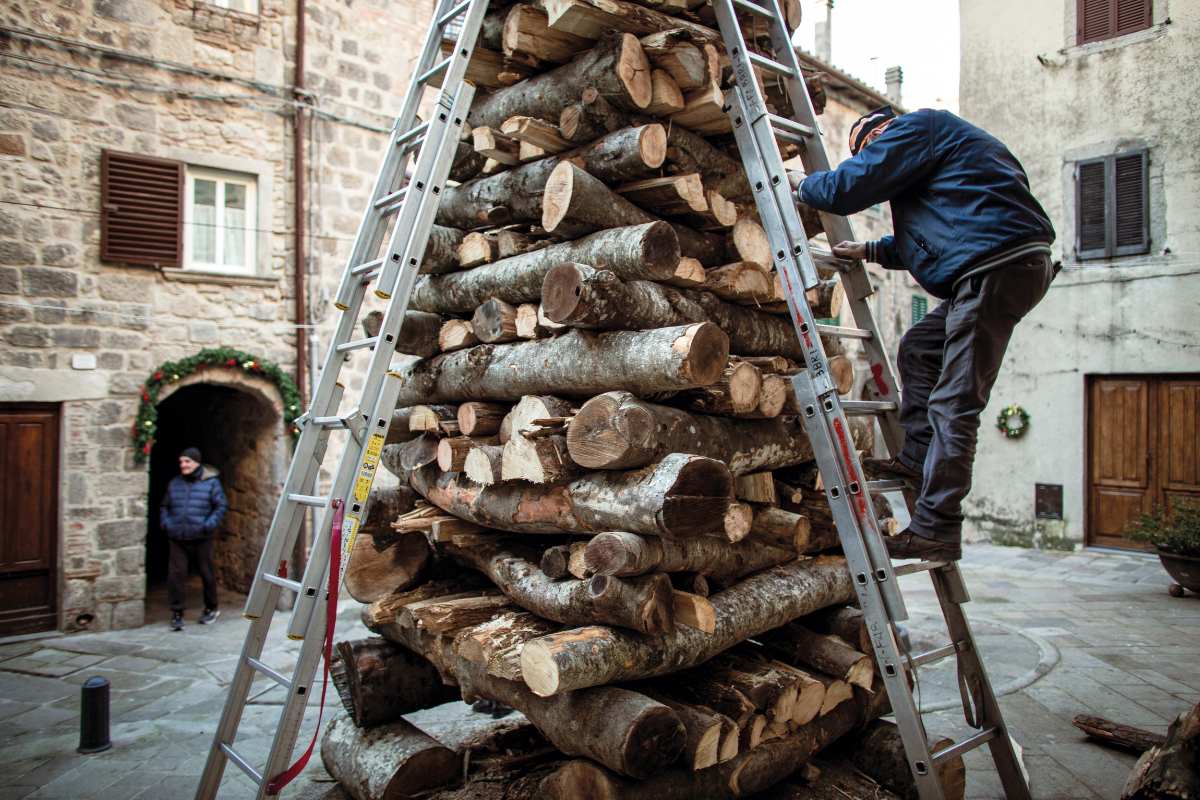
<point x="220" y="211"/>
<point x="1097" y="20"/>
<point x="1112" y="206"/>
<point x="141" y="219"/>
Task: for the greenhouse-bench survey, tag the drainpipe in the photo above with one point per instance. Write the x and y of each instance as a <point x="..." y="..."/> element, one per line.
<point x="299" y="287"/>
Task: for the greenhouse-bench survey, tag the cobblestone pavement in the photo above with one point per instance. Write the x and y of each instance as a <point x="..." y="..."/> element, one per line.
<point x="1090" y="632"/>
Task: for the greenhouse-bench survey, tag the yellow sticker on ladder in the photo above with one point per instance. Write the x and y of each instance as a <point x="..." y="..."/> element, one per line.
<point x="366" y="473"/>
<point x="349" y="531"/>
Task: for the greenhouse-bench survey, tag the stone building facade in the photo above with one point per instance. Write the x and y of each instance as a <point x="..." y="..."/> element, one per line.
<point x="1101" y="112"/>
<point x="209" y="85"/>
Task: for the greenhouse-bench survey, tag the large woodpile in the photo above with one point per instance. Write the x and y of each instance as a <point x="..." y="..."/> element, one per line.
<point x="608" y="517"/>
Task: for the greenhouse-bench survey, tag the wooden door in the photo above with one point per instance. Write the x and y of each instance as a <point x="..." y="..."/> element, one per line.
<point x="1143" y="451"/>
<point x="28" y="517"/>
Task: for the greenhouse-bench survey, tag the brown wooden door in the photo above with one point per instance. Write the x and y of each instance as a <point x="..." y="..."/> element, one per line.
<point x="1143" y="451"/>
<point x="28" y="518"/>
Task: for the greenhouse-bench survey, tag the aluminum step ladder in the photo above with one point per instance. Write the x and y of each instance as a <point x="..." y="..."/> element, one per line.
<point x="386" y="256"/>
<point x="850" y="494"/>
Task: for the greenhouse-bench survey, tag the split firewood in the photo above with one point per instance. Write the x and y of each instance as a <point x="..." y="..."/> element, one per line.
<point x="748" y="241"/>
<point x="690" y="609"/>
<point x="594" y="656"/>
<point x="535" y="131"/>
<point x="528" y="326"/>
<point x="617" y="67"/>
<point x="646" y="251"/>
<point x="379" y="681"/>
<point x="538" y="460"/>
<point x="491" y="143"/>
<point x="837" y="692"/>
<point x="674" y="51"/>
<point x="578" y="363"/>
<point x="528" y="36"/>
<point x="740" y="282"/>
<point x="402" y="459"/>
<point x="680" y="496"/>
<point x="456" y="334"/>
<point x="414" y="761"/>
<point x="756" y="487"/>
<point x="829" y="654"/>
<point x="703" y="729"/>
<point x="665" y="95"/>
<point x="704" y="112"/>
<point x="690" y="582"/>
<point x="484" y="463"/>
<point x="689" y="152"/>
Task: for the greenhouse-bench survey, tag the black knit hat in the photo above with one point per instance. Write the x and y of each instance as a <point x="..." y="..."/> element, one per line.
<point x="193" y="453"/>
<point x="867" y="123"/>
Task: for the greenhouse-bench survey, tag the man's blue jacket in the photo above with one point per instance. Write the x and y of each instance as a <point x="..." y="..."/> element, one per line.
<point x="958" y="197"/>
<point x="193" y="506"/>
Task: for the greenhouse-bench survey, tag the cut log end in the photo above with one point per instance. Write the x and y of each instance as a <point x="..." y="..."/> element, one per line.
<point x="633" y="69"/>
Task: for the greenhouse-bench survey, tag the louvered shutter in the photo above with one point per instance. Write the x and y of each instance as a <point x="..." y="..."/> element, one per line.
<point x="142" y="209"/>
<point x="1090" y="209"/>
<point x="1129" y="205"/>
<point x="1131" y="15"/>
<point x="1094" y="20"/>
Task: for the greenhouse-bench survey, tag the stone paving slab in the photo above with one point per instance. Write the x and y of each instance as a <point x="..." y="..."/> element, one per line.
<point x="1092" y="632"/>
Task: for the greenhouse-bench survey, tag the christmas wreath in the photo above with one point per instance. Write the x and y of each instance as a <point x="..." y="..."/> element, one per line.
<point x="146" y="423"/>
<point x="1013" y="421"/>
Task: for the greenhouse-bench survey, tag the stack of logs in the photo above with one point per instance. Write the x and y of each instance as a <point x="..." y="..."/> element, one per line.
<point x="608" y="517"/>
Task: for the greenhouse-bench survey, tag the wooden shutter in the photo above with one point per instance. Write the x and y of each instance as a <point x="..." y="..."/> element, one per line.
<point x="142" y="209"/>
<point x="1131" y="15"/>
<point x="1129" y="205"/>
<point x="1090" y="209"/>
<point x="1097" y="20"/>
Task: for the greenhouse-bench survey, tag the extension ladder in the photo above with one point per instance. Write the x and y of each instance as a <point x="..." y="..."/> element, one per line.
<point x="758" y="133"/>
<point x="386" y="255"/>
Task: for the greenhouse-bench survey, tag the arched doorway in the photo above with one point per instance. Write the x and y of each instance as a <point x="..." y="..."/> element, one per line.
<point x="236" y="421"/>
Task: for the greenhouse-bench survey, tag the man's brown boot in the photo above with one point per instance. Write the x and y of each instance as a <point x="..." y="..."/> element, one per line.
<point x="891" y="469"/>
<point x="909" y="545"/>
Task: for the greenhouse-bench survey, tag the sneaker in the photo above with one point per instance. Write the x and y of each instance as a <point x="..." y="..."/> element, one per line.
<point x="177" y="621"/>
<point x="209" y="616"/>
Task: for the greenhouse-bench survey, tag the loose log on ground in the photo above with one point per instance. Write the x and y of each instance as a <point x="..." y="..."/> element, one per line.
<point x="625" y="554"/>
<point x="830" y="654"/>
<point x="645" y="251"/>
<point x="617" y="67"/>
<point x="680" y="496"/>
<point x="576" y="364"/>
<point x="379" y="681"/>
<point x="1114" y="734"/>
<point x="390" y="761"/>
<point x="595" y="655"/>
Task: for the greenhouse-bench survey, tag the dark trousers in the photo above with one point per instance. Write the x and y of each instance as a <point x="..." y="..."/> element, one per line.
<point x="198" y="551"/>
<point x="948" y="364"/>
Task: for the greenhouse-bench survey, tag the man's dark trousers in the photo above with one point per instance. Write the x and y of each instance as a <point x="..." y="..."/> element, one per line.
<point x="948" y="364"/>
<point x="199" y="551"/>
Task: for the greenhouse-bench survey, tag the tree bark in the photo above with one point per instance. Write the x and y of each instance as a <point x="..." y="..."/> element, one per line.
<point x="390" y="761"/>
<point x="576" y="364"/>
<point x="736" y="393"/>
<point x="624" y="554"/>
<point x="625" y="154"/>
<point x="583" y="297"/>
<point x="589" y="118"/>
<point x="689" y="152"/>
<point x="495" y="645"/>
<point x="1168" y="772"/>
<point x="467" y="163"/>
<point x="616" y="430"/>
<point x="878" y="752"/>
<point x="830" y="654"/>
<point x="647" y="251"/>
<point x="456" y="334"/>
<point x="509" y="196"/>
<point x="594" y="656"/>
<point x="1114" y="734"/>
<point x="478" y="418"/>
<point x="678" y="497"/>
<point x="642" y="604"/>
<point x="441" y="253"/>
<point x="844" y="621"/>
<point x="484" y="464"/>
<point x="495" y="321"/>
<point x="418" y="334"/>
<point x="537" y="460"/>
<point x="379" y="681"/>
<point x="617" y="67"/>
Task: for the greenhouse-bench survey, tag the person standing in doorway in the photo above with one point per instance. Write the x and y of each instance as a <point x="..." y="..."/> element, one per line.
<point x="191" y="511"/>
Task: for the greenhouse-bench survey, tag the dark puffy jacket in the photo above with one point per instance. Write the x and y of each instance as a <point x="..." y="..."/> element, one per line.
<point x="193" y="508"/>
<point x="958" y="196"/>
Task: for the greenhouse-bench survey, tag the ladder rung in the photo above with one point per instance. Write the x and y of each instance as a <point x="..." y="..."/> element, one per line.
<point x="863" y="407"/>
<point x="309" y="500"/>
<point x="412" y="133"/>
<point x="436" y="69"/>
<point x="270" y="673"/>
<point x="920" y="566"/>
<point x="243" y="764"/>
<point x="333" y="423"/>
<point x="753" y="8"/>
<point x="843" y="333"/>
<point x="290" y="585"/>
<point x="763" y="62"/>
<point x="390" y="199"/>
<point x="929" y="656"/>
<point x="454" y="12"/>
<point x="790" y="129"/>
<point x="367" y="266"/>
<point x="358" y="344"/>
<point x="965" y="746"/>
<point x="874" y="487"/>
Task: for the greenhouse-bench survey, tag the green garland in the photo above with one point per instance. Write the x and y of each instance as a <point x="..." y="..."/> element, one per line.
<point x="146" y="424"/>
<point x="1003" y="422"/>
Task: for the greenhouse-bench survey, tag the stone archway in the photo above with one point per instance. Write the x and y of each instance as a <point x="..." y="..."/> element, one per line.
<point x="236" y="420"/>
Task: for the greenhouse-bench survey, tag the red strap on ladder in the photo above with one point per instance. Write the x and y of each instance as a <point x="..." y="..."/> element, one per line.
<point x="276" y="784"/>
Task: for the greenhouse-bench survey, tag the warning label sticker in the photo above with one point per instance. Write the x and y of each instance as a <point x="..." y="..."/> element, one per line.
<point x="366" y="474"/>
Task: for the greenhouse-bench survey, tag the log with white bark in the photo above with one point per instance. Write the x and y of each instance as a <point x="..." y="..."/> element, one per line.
<point x="453" y="450"/>
<point x="418" y="333"/>
<point x="644" y="251"/>
<point x="493" y="144"/>
<point x="390" y="761"/>
<point x="596" y="655"/>
<point x="544" y="459"/>
<point x="791" y="531"/>
<point x="678" y="497"/>
<point x="379" y="681"/>
<point x="846" y="622"/>
<point x="495" y="645"/>
<point x="441" y="253"/>
<point x="830" y="654"/>
<point x="484" y="464"/>
<point x="642" y="603"/>
<point x="625" y="554"/>
<point x="624" y="154"/>
<point x="616" y="430"/>
<point x="509" y="196"/>
<point x="477" y="418"/>
<point x="576" y="364"/>
<point x="617" y="67"/>
<point x="736" y="392"/>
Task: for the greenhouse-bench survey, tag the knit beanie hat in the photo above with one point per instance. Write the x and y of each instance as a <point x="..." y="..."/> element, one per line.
<point x="193" y="453"/>
<point x="867" y="123"/>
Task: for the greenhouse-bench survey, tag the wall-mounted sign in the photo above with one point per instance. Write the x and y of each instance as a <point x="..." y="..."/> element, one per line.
<point x="1047" y="500"/>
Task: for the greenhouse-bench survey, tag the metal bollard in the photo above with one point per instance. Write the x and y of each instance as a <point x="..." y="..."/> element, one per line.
<point x="93" y="719"/>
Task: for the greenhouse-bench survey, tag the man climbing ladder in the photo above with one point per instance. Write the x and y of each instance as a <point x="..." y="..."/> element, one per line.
<point x="972" y="234"/>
